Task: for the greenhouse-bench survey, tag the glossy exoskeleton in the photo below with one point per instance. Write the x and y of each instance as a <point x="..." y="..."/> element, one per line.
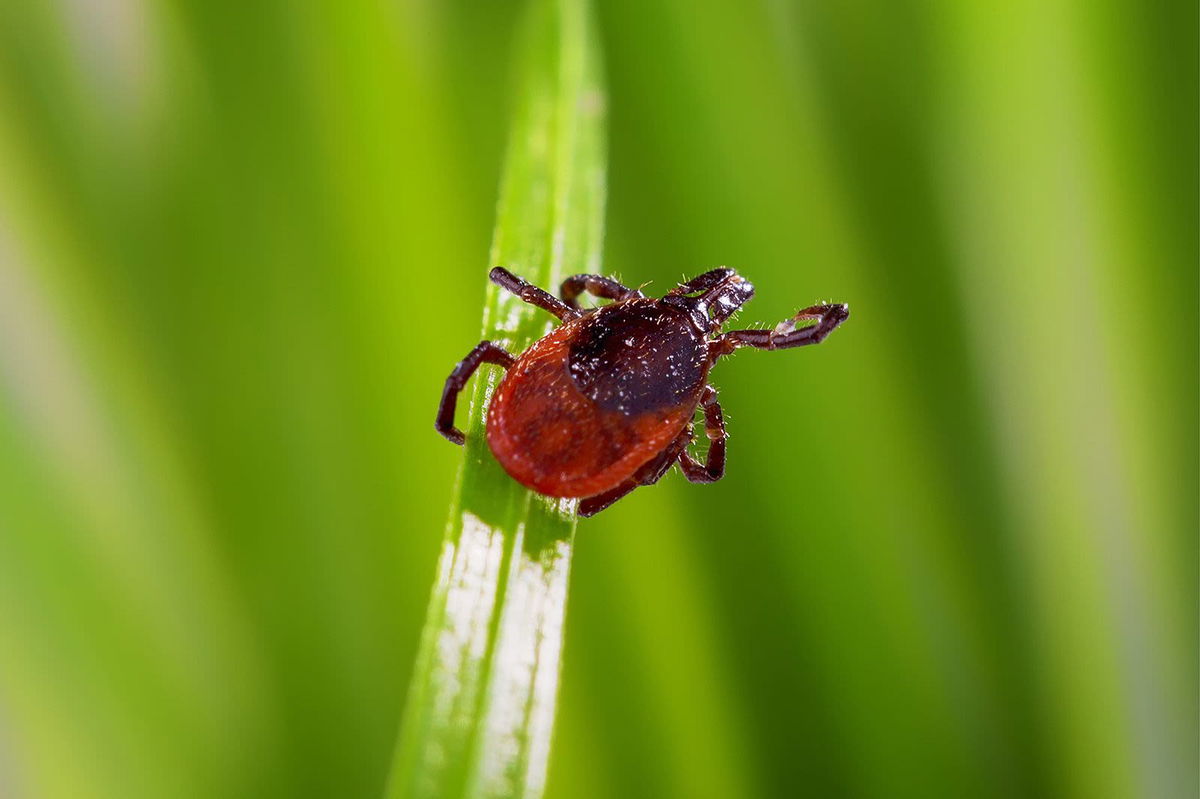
<point x="604" y="402"/>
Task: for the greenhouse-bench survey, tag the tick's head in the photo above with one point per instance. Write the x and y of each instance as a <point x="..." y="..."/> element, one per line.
<point x="712" y="297"/>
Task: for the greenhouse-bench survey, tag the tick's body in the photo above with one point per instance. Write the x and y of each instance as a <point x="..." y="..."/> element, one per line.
<point x="604" y="403"/>
<point x="584" y="407"/>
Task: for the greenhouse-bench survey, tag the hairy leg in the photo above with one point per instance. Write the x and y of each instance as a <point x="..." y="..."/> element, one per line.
<point x="713" y="468"/>
<point x="603" y="287"/>
<point x="785" y="334"/>
<point x="530" y="293"/>
<point x="648" y="474"/>
<point x="484" y="352"/>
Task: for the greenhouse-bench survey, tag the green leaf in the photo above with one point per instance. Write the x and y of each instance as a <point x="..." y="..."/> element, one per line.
<point x="481" y="705"/>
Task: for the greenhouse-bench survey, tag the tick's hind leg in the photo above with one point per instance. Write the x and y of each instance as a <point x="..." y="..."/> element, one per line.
<point x="484" y="352"/>
<point x="590" y="506"/>
<point x="785" y="334"/>
<point x="530" y="293"/>
<point x="713" y="468"/>
<point x="603" y="287"/>
<point x="648" y="474"/>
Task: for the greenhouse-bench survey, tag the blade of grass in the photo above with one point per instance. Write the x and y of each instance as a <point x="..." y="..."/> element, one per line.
<point x="480" y="708"/>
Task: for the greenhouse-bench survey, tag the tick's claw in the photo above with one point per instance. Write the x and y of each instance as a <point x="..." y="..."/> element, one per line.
<point x="453" y="435"/>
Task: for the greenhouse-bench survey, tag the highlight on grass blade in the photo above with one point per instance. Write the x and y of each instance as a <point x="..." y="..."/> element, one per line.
<point x="480" y="709"/>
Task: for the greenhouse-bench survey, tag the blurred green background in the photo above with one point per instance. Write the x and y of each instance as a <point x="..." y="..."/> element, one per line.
<point x="241" y="245"/>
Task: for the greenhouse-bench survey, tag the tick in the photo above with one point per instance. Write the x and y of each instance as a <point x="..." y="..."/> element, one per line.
<point x="604" y="403"/>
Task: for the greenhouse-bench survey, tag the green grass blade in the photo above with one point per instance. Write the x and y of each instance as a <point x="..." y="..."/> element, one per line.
<point x="481" y="705"/>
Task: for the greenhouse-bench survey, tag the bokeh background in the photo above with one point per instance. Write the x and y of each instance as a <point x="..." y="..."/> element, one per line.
<point x="241" y="245"/>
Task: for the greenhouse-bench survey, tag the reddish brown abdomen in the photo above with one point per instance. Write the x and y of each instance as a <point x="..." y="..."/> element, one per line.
<point x="587" y="405"/>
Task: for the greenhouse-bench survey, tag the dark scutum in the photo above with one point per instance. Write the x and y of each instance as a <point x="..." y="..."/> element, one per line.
<point x="638" y="356"/>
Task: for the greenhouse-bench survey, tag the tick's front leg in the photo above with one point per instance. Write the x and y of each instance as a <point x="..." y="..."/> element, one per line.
<point x="484" y="352"/>
<point x="785" y="334"/>
<point x="598" y="285"/>
<point x="531" y="293"/>
<point x="713" y="468"/>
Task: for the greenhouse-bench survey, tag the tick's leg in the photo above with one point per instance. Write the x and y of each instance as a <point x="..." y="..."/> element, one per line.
<point x="530" y="293"/>
<point x="603" y="287"/>
<point x="702" y="282"/>
<point x="713" y="468"/>
<point x="648" y="474"/>
<point x="484" y="352"/>
<point x="785" y="334"/>
<point x="590" y="506"/>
